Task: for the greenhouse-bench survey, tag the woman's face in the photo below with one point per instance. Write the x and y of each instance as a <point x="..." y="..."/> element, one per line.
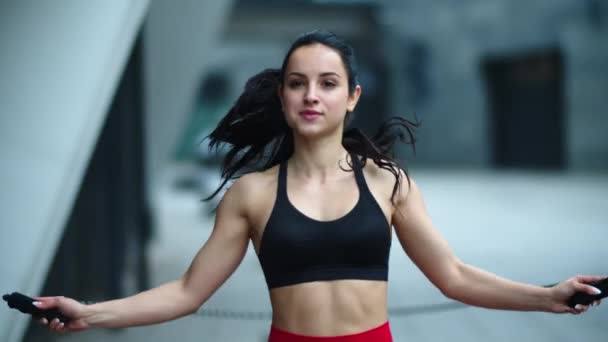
<point x="315" y="94"/>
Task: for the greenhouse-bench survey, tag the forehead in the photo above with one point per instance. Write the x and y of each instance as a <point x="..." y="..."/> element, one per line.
<point x="314" y="59"/>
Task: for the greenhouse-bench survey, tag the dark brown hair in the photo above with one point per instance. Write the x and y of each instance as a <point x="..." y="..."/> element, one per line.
<point x="259" y="137"/>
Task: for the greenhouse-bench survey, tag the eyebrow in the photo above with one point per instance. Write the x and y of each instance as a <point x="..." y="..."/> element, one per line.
<point x="327" y="73"/>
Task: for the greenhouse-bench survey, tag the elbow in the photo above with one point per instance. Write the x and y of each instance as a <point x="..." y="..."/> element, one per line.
<point x="188" y="307"/>
<point x="191" y="310"/>
<point x="188" y="301"/>
<point x="450" y="291"/>
<point x="452" y="283"/>
<point x="191" y="304"/>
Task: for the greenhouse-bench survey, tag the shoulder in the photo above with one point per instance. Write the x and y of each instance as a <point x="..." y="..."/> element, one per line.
<point x="255" y="182"/>
<point x="384" y="177"/>
<point x="251" y="189"/>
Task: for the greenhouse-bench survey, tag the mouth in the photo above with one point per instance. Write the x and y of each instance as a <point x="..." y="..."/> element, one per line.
<point x="309" y="114"/>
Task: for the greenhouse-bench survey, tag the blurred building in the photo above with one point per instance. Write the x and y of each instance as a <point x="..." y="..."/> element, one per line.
<point x="98" y="102"/>
<point x="496" y="83"/>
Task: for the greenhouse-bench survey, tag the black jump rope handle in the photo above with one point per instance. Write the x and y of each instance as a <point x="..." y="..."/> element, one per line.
<point x="24" y="304"/>
<point x="586" y="299"/>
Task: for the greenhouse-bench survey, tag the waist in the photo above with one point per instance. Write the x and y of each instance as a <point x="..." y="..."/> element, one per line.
<point x="381" y="333"/>
<point x="330" y="307"/>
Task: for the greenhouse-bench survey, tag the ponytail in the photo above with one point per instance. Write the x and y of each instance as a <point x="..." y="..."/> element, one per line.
<point x="380" y="148"/>
<point x="254" y="128"/>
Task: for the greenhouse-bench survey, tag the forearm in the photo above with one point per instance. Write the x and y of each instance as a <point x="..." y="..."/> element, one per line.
<point x="160" y="304"/>
<point x="477" y="287"/>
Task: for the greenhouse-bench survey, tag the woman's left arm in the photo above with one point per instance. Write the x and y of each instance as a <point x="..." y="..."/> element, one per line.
<point x="465" y="283"/>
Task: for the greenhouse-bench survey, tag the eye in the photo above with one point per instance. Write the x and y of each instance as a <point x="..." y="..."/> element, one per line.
<point x="328" y="84"/>
<point x="295" y="83"/>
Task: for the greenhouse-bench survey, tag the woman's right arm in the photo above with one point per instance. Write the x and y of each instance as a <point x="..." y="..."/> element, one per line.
<point x="213" y="264"/>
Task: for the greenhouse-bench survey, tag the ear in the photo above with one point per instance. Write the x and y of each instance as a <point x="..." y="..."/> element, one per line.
<point x="280" y="95"/>
<point x="353" y="99"/>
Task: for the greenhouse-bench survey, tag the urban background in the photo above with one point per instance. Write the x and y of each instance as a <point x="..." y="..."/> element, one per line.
<point x="104" y="107"/>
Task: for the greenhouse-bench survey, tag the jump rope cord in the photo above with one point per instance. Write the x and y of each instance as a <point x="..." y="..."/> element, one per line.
<point x="399" y="311"/>
<point x="267" y="315"/>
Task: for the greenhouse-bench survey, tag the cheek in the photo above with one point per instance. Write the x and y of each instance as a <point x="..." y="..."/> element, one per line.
<point x="289" y="108"/>
<point x="289" y="100"/>
<point x="337" y="103"/>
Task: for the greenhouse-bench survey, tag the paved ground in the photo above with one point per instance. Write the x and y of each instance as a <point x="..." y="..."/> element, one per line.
<point x="532" y="227"/>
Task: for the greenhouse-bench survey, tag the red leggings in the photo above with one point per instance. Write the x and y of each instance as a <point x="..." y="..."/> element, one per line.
<point x="378" y="334"/>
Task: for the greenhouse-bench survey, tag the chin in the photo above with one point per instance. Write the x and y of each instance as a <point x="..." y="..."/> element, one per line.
<point x="320" y="128"/>
<point x="314" y="132"/>
<point x="309" y="132"/>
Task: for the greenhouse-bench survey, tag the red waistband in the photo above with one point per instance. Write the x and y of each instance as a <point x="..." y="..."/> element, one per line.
<point x="378" y="334"/>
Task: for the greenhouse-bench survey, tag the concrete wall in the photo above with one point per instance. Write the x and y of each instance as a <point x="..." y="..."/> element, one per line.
<point x="458" y="35"/>
<point x="60" y="64"/>
<point x="586" y="96"/>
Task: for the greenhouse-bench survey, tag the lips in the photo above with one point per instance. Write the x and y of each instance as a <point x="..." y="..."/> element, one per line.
<point x="310" y="114"/>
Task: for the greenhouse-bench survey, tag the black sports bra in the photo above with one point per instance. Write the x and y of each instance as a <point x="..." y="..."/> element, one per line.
<point x="298" y="249"/>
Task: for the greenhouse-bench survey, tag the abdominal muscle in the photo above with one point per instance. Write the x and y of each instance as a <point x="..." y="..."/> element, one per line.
<point x="329" y="308"/>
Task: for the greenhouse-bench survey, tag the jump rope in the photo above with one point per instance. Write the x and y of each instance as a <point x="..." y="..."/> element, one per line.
<point x="24" y="304"/>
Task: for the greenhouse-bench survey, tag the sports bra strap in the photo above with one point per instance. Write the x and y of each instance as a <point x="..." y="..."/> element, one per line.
<point x="358" y="169"/>
<point x="282" y="186"/>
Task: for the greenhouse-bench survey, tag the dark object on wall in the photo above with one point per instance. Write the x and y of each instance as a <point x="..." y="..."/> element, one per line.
<point x="596" y="12"/>
<point x="526" y="104"/>
<point x="418" y="58"/>
<point x="371" y="110"/>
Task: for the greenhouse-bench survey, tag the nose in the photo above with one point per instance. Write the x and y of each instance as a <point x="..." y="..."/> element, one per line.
<point x="311" y="95"/>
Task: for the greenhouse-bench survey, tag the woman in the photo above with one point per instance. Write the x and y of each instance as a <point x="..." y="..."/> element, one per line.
<point x="319" y="205"/>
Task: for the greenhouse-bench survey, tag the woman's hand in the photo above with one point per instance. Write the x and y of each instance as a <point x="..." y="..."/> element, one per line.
<point x="75" y="311"/>
<point x="563" y="291"/>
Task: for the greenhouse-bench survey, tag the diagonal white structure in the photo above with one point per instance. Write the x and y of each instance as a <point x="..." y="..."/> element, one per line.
<point x="60" y="64"/>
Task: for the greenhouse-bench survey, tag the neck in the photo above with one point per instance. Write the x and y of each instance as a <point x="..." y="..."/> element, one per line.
<point x="318" y="158"/>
